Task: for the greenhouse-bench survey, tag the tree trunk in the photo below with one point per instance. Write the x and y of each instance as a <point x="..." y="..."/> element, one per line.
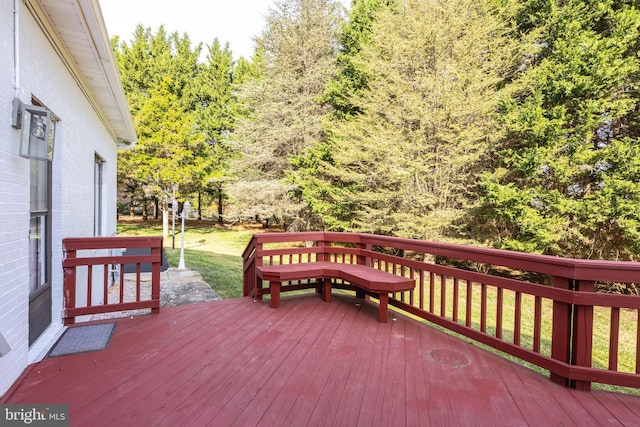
<point x="165" y="218"/>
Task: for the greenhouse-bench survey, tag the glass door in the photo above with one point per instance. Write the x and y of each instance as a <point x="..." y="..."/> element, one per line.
<point x="39" y="249"/>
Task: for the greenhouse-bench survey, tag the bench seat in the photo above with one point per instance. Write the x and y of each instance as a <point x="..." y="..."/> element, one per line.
<point x="366" y="278"/>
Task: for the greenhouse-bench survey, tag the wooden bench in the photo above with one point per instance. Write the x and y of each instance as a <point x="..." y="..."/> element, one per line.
<point x="370" y="280"/>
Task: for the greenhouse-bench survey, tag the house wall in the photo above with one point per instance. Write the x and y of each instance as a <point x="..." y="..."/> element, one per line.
<point x="80" y="134"/>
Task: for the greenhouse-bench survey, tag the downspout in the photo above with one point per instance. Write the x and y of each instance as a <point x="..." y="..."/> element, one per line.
<point x="16" y="47"/>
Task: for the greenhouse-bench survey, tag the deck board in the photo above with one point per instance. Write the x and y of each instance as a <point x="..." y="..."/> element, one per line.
<point x="224" y="382"/>
<point x="302" y="389"/>
<point x="307" y="363"/>
<point x="353" y="397"/>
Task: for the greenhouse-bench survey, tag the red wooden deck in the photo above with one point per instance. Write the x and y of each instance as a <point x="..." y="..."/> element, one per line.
<point x="307" y="363"/>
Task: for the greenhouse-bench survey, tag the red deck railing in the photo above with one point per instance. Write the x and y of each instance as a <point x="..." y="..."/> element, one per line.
<point x="490" y="303"/>
<point x="84" y="253"/>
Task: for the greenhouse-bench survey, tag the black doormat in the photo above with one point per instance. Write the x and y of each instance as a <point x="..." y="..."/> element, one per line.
<point x="82" y="339"/>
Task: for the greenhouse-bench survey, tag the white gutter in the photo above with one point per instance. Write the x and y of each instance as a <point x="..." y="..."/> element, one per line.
<point x="16" y="47"/>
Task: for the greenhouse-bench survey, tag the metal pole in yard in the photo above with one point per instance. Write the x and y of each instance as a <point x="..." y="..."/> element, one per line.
<point x="174" y="209"/>
<point x="185" y="211"/>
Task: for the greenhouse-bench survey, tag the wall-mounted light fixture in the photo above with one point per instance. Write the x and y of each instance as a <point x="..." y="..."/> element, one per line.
<point x="36" y="142"/>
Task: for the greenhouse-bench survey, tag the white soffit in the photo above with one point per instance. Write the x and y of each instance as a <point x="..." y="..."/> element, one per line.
<point x="79" y="27"/>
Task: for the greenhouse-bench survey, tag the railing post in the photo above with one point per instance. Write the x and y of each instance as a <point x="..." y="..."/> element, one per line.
<point x="248" y="264"/>
<point x="582" y="345"/>
<point x="323" y="285"/>
<point x="69" y="286"/>
<point x="258" y="262"/>
<point x="366" y="260"/>
<point x="249" y="274"/>
<point x="362" y="259"/>
<point x="322" y="255"/>
<point x="561" y="334"/>
<point x="155" y="276"/>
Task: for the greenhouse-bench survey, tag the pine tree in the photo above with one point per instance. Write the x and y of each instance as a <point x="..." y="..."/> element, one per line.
<point x="351" y="79"/>
<point x="295" y="57"/>
<point x="566" y="178"/>
<point x="402" y="164"/>
<point x="216" y="110"/>
<point x="158" y="71"/>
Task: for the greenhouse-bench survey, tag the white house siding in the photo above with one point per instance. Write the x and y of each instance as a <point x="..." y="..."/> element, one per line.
<point x="14" y="185"/>
<point x="80" y="135"/>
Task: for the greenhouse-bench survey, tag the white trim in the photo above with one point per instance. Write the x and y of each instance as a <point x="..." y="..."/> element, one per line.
<point x="94" y="22"/>
<point x="91" y="17"/>
<point x="45" y="341"/>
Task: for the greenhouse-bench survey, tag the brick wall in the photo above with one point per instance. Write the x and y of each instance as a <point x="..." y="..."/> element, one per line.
<point x="14" y="176"/>
<point x="79" y="136"/>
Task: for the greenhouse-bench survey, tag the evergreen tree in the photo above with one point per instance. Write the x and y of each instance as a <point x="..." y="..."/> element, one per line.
<point x="401" y="165"/>
<point x="158" y="71"/>
<point x="566" y="178"/>
<point x="352" y="78"/>
<point x="295" y="57"/>
<point x="216" y="110"/>
<point x="312" y="168"/>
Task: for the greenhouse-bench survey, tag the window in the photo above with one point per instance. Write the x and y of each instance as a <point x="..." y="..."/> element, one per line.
<point x="38" y="229"/>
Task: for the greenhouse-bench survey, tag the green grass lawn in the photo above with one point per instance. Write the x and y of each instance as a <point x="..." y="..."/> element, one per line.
<point x="215" y="252"/>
